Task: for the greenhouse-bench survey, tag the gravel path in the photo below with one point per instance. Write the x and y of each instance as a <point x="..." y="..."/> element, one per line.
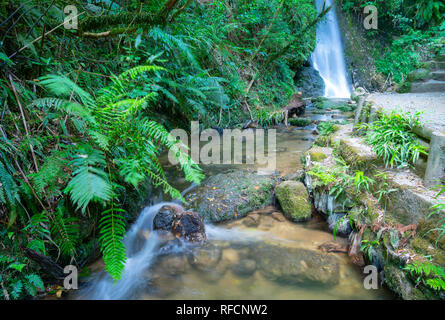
<point x="433" y="105"/>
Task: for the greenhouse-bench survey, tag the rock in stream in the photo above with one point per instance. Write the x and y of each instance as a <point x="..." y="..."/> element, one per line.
<point x="231" y="195"/>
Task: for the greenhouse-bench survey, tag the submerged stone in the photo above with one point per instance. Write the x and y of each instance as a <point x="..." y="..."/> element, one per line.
<point x="245" y="267"/>
<point x="297" y="265"/>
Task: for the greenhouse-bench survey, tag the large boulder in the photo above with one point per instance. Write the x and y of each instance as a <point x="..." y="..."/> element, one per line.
<point x="231" y="195"/>
<point x="297" y="265"/>
<point x="294" y="200"/>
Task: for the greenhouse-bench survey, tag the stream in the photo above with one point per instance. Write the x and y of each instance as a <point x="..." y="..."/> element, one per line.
<point x="242" y="260"/>
<point x="261" y="256"/>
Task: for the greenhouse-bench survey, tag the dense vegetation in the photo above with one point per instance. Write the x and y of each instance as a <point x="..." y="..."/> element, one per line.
<point x="409" y="33"/>
<point x="85" y="113"/>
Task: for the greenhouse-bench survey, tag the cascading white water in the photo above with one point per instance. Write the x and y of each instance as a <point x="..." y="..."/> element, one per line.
<point x="140" y="256"/>
<point x="328" y="58"/>
<point x="143" y="247"/>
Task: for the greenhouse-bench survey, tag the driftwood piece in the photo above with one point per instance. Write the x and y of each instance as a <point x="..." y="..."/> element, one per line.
<point x="332" y="247"/>
<point x="46" y="263"/>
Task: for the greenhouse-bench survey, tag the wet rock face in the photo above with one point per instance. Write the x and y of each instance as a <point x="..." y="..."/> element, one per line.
<point x="294" y="200"/>
<point x="231" y="195"/>
<point x="297" y="265"/>
<point x="165" y="217"/>
<point x="189" y="226"/>
<point x="340" y="223"/>
<point x="310" y="82"/>
<point x="185" y="225"/>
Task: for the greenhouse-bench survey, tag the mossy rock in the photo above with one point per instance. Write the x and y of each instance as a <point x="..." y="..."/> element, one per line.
<point x="358" y="155"/>
<point x="419" y="74"/>
<point x="294" y="200"/>
<point x="426" y="230"/>
<point x="230" y="195"/>
<point x="318" y="154"/>
<point x="425" y="248"/>
<point x="398" y="282"/>
<point x="300" y="122"/>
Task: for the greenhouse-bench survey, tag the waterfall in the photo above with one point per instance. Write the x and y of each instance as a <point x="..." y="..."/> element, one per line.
<point x="141" y="253"/>
<point x="328" y="58"/>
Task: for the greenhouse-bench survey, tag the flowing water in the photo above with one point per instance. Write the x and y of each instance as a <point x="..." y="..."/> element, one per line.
<point x="234" y="264"/>
<point x="328" y="58"/>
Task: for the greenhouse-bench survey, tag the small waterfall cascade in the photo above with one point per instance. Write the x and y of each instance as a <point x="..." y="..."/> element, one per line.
<point x="144" y="245"/>
<point x="328" y="58"/>
<point x="142" y="250"/>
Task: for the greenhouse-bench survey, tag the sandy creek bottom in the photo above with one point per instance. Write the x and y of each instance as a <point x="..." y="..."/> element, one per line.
<point x="237" y="262"/>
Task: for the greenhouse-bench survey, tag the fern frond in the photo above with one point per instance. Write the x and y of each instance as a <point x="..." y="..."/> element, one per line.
<point x="90" y="181"/>
<point x="65" y="232"/>
<point x="133" y="73"/>
<point x="112" y="231"/>
<point x="16" y="289"/>
<point x="62" y="86"/>
<point x="9" y="191"/>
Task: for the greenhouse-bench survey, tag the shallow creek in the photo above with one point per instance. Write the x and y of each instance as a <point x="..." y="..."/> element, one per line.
<point x="249" y="258"/>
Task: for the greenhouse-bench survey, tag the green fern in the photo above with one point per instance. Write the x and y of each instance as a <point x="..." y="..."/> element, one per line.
<point x="62" y="86"/>
<point x="16" y="289"/>
<point x="32" y="283"/>
<point x="433" y="275"/>
<point x="9" y="191"/>
<point x="112" y="231"/>
<point x="89" y="182"/>
<point x="65" y="231"/>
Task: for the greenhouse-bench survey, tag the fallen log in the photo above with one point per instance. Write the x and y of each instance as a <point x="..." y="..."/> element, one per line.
<point x="52" y="268"/>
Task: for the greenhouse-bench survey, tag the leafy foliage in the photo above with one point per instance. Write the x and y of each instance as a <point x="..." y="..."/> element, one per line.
<point x="86" y="113"/>
<point x="393" y="139"/>
<point x="432" y="275"/>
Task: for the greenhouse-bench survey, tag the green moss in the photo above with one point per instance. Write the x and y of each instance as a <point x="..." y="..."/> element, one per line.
<point x="397" y="280"/>
<point x="426" y="229"/>
<point x="424" y="248"/>
<point x="300" y="122"/>
<point x="294" y="200"/>
<point x="419" y="74"/>
<point x="318" y="154"/>
<point x="405" y="87"/>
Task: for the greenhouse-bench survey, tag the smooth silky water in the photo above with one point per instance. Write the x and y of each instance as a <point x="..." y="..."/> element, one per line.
<point x="328" y="58"/>
<point x="158" y="269"/>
